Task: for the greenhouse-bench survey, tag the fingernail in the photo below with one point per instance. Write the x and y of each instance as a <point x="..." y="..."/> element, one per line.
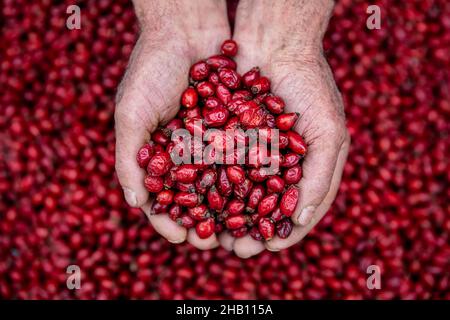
<point x="273" y="249"/>
<point x="130" y="197"/>
<point x="176" y="241"/>
<point x="306" y="215"/>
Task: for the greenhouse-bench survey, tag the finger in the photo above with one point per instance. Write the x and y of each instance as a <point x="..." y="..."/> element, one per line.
<point x="247" y="247"/>
<point x="226" y="241"/>
<point x="202" y="244"/>
<point x="299" y="232"/>
<point x="165" y="226"/>
<point x="318" y="168"/>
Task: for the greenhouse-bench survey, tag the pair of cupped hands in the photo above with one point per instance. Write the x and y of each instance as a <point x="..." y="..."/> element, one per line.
<point x="284" y="40"/>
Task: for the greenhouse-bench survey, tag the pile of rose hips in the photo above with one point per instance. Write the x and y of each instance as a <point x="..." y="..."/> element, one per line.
<point x="240" y="196"/>
<point x="61" y="204"/>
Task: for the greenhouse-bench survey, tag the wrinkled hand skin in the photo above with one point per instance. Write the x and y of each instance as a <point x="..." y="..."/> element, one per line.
<point x="299" y="74"/>
<point x="149" y="93"/>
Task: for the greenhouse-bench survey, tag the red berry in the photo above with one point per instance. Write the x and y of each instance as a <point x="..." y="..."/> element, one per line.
<point x="186" y="173"/>
<point x="275" y="184"/>
<point x="292" y="175"/>
<point x="186" y="199"/>
<point x="199" y="71"/>
<point x="250" y="76"/>
<point x="260" y="85"/>
<point x="199" y="212"/>
<point x="144" y="154"/>
<point x="286" y="121"/>
<point x="274" y="104"/>
<point x="296" y="143"/>
<point x="205" y="229"/>
<point x="221" y="61"/>
<point x="236" y="174"/>
<point x="159" y="164"/>
<point x="165" y="197"/>
<point x="153" y="184"/>
<point x="235" y="207"/>
<point x="266" y="228"/>
<point x="215" y="200"/>
<point x="216" y="117"/>
<point x="284" y="228"/>
<point x="205" y="89"/>
<point x="289" y="201"/>
<point x="255" y="196"/>
<point x="229" y="48"/>
<point x="230" y="78"/>
<point x="267" y="204"/>
<point x="235" y="222"/>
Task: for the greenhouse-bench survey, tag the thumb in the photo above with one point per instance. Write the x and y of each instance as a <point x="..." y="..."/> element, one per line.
<point x="132" y="131"/>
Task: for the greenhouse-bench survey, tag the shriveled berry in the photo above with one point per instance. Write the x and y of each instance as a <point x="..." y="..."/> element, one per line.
<point x="215" y="199"/>
<point x="267" y="228"/>
<point x="235" y="222"/>
<point x="275" y="184"/>
<point x="290" y="159"/>
<point x="240" y="232"/>
<point x="158" y="208"/>
<point x="223" y="184"/>
<point x="186" y="173"/>
<point x="186" y="221"/>
<point x="216" y="117"/>
<point x="252" y="118"/>
<point x="292" y="175"/>
<point x="241" y="190"/>
<point x="235" y="174"/>
<point x="199" y="212"/>
<point x="212" y="102"/>
<point x="235" y="207"/>
<point x="165" y="197"/>
<point x="267" y="204"/>
<point x="175" y="211"/>
<point x="199" y="71"/>
<point x="221" y="61"/>
<point x="255" y="234"/>
<point x="274" y="104"/>
<point x="286" y="121"/>
<point x="230" y="78"/>
<point x="255" y="196"/>
<point x="223" y="93"/>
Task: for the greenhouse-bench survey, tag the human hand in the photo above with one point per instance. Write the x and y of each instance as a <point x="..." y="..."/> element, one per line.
<point x="288" y="51"/>
<point x="174" y="34"/>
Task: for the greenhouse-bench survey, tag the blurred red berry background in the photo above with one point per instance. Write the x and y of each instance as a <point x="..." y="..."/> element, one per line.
<point x="60" y="202"/>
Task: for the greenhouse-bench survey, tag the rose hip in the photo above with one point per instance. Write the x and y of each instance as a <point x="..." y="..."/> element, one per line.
<point x="267" y="204"/>
<point x="284" y="228"/>
<point x="186" y="221"/>
<point x="189" y="98"/>
<point x="267" y="228"/>
<point x="242" y="190"/>
<point x="296" y="142"/>
<point x="229" y="48"/>
<point x="274" y="104"/>
<point x="199" y="212"/>
<point x="216" y="117"/>
<point x="215" y="200"/>
<point x="205" y="229"/>
<point x="289" y="201"/>
<point x="165" y="197"/>
<point x="255" y="196"/>
<point x="159" y="164"/>
<point x="144" y="154"/>
<point x="235" y="174"/>
<point x="286" y="121"/>
<point x="235" y="207"/>
<point x="292" y="175"/>
<point x="221" y="61"/>
<point x="275" y="184"/>
<point x="205" y="89"/>
<point x="199" y="71"/>
<point x="230" y="78"/>
<point x="250" y="76"/>
<point x="260" y="85"/>
<point x="235" y="222"/>
<point x="186" y="199"/>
